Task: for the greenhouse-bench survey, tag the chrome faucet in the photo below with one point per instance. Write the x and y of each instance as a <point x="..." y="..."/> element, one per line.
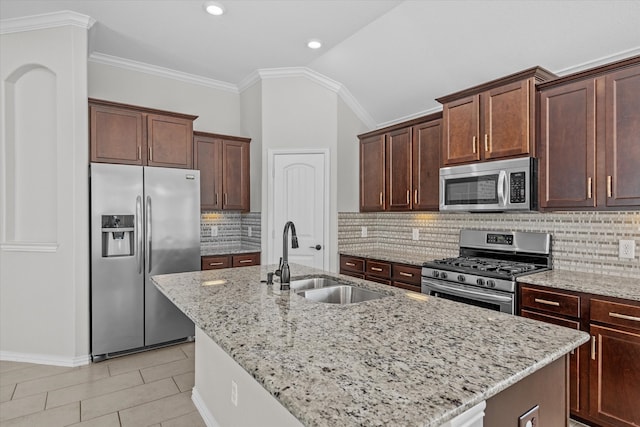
<point x="283" y="269"/>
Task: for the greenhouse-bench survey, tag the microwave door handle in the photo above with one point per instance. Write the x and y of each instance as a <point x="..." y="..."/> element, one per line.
<point x="502" y="180"/>
<point x="467" y="292"/>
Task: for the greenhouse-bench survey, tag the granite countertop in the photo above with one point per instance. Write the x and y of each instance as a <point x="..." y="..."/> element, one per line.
<point x="214" y="249"/>
<point x="411" y="258"/>
<point x="406" y="359"/>
<point x="599" y="284"/>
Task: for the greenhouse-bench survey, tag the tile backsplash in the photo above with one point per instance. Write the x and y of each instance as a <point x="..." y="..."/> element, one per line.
<point x="232" y="229"/>
<point x="581" y="241"/>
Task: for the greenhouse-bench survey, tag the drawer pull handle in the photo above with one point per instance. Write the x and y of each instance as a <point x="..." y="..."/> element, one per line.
<point x="547" y="302"/>
<point x="376" y="269"/>
<point x="213" y="264"/>
<point x="402" y="273"/>
<point x="624" y="316"/>
<point x="244" y="261"/>
<point x="593" y="347"/>
<point x="350" y="264"/>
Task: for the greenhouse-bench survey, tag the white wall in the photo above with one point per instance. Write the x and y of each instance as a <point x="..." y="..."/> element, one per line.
<point x="349" y="127"/>
<point x="300" y="113"/>
<point x="218" y="110"/>
<point x="44" y="270"/>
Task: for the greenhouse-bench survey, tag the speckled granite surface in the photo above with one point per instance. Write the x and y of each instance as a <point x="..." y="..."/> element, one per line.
<point x="403" y="360"/>
<point x="207" y="250"/>
<point x="411" y="258"/>
<point x="612" y="286"/>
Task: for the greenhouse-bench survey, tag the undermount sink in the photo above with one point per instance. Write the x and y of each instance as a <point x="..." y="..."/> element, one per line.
<point x="341" y="294"/>
<point x="313" y="283"/>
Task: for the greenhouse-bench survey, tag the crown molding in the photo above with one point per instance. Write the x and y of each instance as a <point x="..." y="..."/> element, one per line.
<point x="600" y="61"/>
<point x="46" y="20"/>
<point x="314" y="76"/>
<point x="128" y="64"/>
<point x="409" y="117"/>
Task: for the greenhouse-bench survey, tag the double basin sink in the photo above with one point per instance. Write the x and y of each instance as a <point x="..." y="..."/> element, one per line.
<point x="327" y="290"/>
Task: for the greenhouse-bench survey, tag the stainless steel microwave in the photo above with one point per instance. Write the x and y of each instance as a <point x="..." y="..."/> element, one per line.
<point x="502" y="185"/>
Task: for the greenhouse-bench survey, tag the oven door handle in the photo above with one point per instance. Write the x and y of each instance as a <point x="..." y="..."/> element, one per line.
<point x="502" y="179"/>
<point x="481" y="296"/>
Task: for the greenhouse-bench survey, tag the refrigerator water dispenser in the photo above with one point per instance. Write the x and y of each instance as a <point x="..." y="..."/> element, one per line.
<point x="117" y="235"/>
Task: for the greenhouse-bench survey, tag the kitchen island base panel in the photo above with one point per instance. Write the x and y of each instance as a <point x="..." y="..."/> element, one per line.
<point x="214" y="372"/>
<point x="545" y="388"/>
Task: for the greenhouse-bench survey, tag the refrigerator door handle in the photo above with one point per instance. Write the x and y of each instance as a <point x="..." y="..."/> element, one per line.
<point x="147" y="215"/>
<point x="138" y="232"/>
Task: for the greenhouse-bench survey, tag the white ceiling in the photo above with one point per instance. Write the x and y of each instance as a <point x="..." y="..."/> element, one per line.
<point x="395" y="57"/>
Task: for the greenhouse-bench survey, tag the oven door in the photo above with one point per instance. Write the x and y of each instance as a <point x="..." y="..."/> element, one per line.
<point x="480" y="297"/>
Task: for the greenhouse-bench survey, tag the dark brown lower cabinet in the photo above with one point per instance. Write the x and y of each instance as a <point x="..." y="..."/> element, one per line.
<point x="604" y="374"/>
<point x="403" y="276"/>
<point x="214" y="262"/>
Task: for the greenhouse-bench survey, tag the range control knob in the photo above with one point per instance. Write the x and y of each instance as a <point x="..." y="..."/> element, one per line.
<point x="461" y="278"/>
<point x="443" y="275"/>
<point x="480" y="282"/>
<point x="435" y="273"/>
<point x="491" y="283"/>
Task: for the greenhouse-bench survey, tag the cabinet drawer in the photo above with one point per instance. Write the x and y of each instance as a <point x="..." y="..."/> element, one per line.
<point x="215" y="262"/>
<point x="615" y="313"/>
<point x="379" y="280"/>
<point x="351" y="264"/>
<point x="245" y="260"/>
<point x="407" y="273"/>
<point x="550" y="319"/>
<point x="379" y="269"/>
<point x="551" y="302"/>
<point x="352" y="274"/>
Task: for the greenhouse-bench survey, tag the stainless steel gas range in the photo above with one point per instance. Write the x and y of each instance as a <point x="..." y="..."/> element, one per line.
<point x="485" y="272"/>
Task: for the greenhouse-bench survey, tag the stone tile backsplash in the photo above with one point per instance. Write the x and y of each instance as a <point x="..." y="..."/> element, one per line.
<point x="232" y="229"/>
<point x="581" y="241"/>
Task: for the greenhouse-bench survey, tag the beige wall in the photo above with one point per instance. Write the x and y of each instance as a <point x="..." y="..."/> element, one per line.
<point x="44" y="269"/>
<point x="349" y="127"/>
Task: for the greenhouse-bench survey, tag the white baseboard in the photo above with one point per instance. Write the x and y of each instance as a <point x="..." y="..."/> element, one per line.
<point x="207" y="416"/>
<point x="45" y="359"/>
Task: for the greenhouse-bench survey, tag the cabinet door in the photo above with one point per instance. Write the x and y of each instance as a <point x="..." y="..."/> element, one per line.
<point x="117" y="136"/>
<point x="169" y="141"/>
<point x="460" y="139"/>
<point x="615" y="376"/>
<point x="208" y="160"/>
<point x="399" y="170"/>
<point x="506" y="118"/>
<point x="235" y="181"/>
<point x="622" y="90"/>
<point x="372" y="174"/>
<point x="568" y="146"/>
<point x="427" y="138"/>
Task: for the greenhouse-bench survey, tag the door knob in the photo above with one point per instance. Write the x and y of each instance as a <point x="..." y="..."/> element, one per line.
<point x="316" y="247"/>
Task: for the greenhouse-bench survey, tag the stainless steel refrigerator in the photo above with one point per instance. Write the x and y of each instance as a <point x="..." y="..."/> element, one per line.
<point x="144" y="221"/>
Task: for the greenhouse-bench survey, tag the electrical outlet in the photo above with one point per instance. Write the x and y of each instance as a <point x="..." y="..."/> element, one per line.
<point x="234" y="393"/>
<point x="416" y="234"/>
<point x="363" y="231"/>
<point x="249" y="231"/>
<point x="529" y="418"/>
<point x="627" y="249"/>
<point x="214" y="231"/>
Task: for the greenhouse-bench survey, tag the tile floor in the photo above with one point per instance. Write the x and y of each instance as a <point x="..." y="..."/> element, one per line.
<point x="145" y="389"/>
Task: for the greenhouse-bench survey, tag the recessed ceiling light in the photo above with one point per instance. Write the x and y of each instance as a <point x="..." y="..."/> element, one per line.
<point x="314" y="44"/>
<point x="213" y="8"/>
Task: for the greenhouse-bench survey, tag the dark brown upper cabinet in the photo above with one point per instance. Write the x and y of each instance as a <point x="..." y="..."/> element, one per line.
<point x="131" y="135"/>
<point x="589" y="144"/>
<point x="223" y="162"/>
<point x="399" y="166"/>
<point x="491" y="121"/>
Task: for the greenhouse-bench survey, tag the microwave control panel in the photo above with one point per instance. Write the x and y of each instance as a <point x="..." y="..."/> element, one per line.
<point x="518" y="187"/>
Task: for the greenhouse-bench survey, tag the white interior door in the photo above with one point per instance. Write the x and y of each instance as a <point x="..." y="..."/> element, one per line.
<point x="300" y="194"/>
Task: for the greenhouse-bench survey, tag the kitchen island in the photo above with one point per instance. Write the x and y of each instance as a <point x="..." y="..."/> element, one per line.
<point x="406" y="359"/>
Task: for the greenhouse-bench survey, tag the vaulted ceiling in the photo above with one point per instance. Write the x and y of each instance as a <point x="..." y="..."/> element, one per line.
<point x="394" y="57"/>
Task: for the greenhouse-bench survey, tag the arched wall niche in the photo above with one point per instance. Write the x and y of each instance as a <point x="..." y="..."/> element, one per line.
<point x="31" y="150"/>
